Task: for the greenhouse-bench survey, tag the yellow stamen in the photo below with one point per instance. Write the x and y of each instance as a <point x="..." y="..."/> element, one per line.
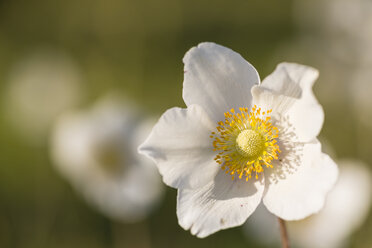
<point x="246" y="142"/>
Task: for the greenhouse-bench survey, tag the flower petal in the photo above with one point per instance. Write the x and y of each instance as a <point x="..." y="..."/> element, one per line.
<point x="299" y="192"/>
<point x="288" y="91"/>
<point x="217" y="79"/>
<point x="129" y="199"/>
<point x="291" y="80"/>
<point x="181" y="147"/>
<point x="221" y="204"/>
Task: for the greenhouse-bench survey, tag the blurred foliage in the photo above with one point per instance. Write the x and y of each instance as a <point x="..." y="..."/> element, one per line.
<point x="135" y="47"/>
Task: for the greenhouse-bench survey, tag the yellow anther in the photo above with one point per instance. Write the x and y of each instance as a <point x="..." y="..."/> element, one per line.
<point x="245" y="142"/>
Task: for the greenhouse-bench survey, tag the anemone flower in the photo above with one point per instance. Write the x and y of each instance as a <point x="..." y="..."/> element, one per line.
<point x="96" y="151"/>
<point x="240" y="141"/>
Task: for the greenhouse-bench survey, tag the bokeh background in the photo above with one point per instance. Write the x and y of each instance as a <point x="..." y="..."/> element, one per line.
<point x="136" y="48"/>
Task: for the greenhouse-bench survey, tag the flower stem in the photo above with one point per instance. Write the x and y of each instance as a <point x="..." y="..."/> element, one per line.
<point x="283" y="233"/>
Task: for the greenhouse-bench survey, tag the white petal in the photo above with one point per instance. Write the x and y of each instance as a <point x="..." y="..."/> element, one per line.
<point x="217" y="79"/>
<point x="181" y="146"/>
<point x="129" y="198"/>
<point x="267" y="99"/>
<point x="348" y="203"/>
<point x="291" y="80"/>
<point x="288" y="92"/>
<point x="221" y="204"/>
<point x="301" y="191"/>
<point x="70" y="147"/>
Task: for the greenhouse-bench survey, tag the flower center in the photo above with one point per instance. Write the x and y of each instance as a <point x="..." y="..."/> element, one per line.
<point x="108" y="157"/>
<point x="246" y="142"/>
<point x="250" y="143"/>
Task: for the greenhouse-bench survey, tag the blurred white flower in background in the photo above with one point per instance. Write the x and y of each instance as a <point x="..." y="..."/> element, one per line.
<point x="96" y="150"/>
<point x="346" y="208"/>
<point x="39" y="88"/>
<point x="346" y="25"/>
<point x="337" y="36"/>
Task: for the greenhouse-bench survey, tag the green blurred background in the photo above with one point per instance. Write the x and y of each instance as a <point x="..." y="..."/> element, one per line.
<point x="136" y="48"/>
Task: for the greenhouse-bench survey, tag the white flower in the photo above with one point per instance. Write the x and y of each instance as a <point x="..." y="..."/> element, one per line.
<point x="96" y="151"/>
<point x="345" y="26"/>
<point x="40" y="87"/>
<point x="222" y="89"/>
<point x="345" y="210"/>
